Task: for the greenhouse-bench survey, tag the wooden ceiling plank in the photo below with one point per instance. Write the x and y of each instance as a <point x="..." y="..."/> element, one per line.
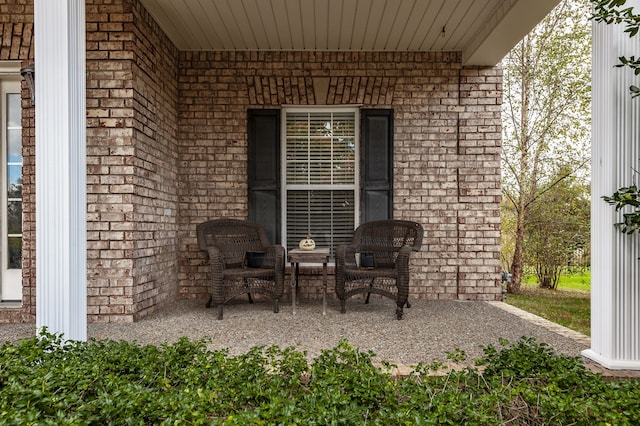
<point x="447" y="21"/>
<point x="250" y="19"/>
<point x="267" y="15"/>
<point x="294" y="21"/>
<point x="399" y="24"/>
<point x="347" y="24"/>
<point x="282" y="24"/>
<point x="321" y="18"/>
<point x="425" y="36"/>
<point x="372" y="28"/>
<point x="390" y="14"/>
<point x="206" y="33"/>
<point x="170" y="22"/>
<point x="475" y="17"/>
<point x="235" y="30"/>
<point x="307" y="17"/>
<point x="421" y="19"/>
<point x="363" y="9"/>
<point x="481" y="29"/>
<point x="218" y="25"/>
<point x="334" y="24"/>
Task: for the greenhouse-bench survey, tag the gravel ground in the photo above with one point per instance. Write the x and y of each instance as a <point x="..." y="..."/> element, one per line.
<point x="428" y="331"/>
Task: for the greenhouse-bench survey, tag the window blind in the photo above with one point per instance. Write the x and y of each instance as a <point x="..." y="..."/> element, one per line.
<point x="326" y="215"/>
<point x="320" y="176"/>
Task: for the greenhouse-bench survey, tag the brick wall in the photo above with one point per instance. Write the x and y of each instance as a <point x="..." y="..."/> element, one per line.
<point x="28" y="207"/>
<point x="110" y="158"/>
<point x="132" y="162"/>
<point x="447" y="151"/>
<point x="155" y="100"/>
<point x="16" y="30"/>
<point x="131" y="159"/>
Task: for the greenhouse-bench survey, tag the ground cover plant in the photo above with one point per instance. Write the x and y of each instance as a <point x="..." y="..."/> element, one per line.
<point x="44" y="380"/>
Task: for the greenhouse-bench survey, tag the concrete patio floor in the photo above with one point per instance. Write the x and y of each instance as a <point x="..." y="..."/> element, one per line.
<point x="429" y="330"/>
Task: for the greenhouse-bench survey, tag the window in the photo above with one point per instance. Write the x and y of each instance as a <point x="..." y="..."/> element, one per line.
<point x="14" y="180"/>
<point x="11" y="184"/>
<point x="319" y="171"/>
<point x="320" y="176"/>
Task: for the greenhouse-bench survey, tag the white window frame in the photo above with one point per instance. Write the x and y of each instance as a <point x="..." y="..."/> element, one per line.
<point x="10" y="82"/>
<point x="283" y="161"/>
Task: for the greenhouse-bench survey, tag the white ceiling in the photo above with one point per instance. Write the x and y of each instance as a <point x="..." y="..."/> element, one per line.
<point x="484" y="30"/>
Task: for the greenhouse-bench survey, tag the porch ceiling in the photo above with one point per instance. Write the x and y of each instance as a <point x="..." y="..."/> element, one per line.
<point x="483" y="30"/>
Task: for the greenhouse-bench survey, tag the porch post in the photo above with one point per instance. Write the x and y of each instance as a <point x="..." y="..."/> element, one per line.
<point x="61" y="277"/>
<point x="615" y="264"/>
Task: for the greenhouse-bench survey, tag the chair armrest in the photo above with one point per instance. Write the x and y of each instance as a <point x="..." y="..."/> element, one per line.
<point x="216" y="261"/>
<point x="346" y="256"/>
<point x="273" y="257"/>
<point x="402" y="260"/>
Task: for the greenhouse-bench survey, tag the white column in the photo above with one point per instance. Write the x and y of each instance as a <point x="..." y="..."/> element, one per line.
<point x="615" y="267"/>
<point x="61" y="277"/>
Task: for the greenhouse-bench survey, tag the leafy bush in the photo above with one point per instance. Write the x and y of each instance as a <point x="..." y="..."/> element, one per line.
<point x="44" y="380"/>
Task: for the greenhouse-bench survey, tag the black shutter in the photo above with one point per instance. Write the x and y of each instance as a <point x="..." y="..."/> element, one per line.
<point x="376" y="171"/>
<point x="264" y="170"/>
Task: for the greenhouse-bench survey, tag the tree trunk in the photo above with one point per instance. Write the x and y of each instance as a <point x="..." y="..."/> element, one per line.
<point x="548" y="276"/>
<point x="517" y="264"/>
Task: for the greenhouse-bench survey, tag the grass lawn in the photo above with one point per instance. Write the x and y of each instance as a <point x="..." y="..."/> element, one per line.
<point x="569" y="305"/>
<point x="578" y="281"/>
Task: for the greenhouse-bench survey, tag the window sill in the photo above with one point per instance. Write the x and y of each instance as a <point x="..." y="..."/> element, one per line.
<point x="10" y="305"/>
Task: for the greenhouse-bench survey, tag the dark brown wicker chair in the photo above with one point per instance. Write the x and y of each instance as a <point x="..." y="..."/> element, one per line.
<point x="377" y="261"/>
<point x="242" y="261"/>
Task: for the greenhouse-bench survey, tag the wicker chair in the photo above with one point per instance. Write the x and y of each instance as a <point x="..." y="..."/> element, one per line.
<point x="383" y="249"/>
<point x="242" y="261"/>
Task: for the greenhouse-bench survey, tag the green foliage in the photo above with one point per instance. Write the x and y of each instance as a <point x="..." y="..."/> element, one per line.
<point x="44" y="380"/>
<point x="613" y="12"/>
<point x="557" y="228"/>
<point x="627" y="197"/>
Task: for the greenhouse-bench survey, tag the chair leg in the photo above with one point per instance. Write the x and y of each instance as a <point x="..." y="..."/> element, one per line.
<point x="248" y="287"/>
<point x="408" y="304"/>
<point x="209" y="302"/>
<point x="220" y="308"/>
<point x="276" y="306"/>
<point x="366" y="301"/>
<point x="343" y="306"/>
<point x="399" y="312"/>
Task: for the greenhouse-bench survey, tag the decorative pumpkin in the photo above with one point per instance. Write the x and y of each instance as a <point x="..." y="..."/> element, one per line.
<point x="307" y="243"/>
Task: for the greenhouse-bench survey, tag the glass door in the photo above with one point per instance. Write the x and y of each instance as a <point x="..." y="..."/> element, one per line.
<point x="11" y="191"/>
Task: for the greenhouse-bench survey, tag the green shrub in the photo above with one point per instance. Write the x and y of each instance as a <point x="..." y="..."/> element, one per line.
<point x="44" y="380"/>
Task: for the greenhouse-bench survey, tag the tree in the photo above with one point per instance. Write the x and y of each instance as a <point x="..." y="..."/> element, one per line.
<point x="558" y="228"/>
<point x="507" y="233"/>
<point x="546" y="114"/>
